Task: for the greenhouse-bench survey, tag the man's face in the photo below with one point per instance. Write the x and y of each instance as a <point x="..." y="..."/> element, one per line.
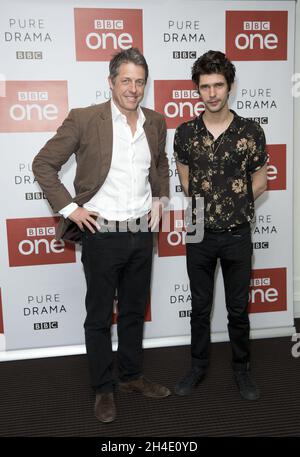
<point x="128" y="87"/>
<point x="214" y="92"/>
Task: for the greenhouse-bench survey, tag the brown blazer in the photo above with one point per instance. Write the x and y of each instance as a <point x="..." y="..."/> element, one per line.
<point x="88" y="133"/>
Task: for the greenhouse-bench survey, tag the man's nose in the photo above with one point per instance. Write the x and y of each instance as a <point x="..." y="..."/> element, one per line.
<point x="132" y="87"/>
<point x="212" y="92"/>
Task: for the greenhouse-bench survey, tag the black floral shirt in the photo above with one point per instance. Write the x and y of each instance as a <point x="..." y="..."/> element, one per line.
<point x="220" y="170"/>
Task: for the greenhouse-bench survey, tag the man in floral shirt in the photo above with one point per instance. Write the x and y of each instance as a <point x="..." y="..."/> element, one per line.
<point x="221" y="157"/>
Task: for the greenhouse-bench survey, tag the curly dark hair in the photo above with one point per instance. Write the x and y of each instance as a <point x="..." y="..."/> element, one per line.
<point x="213" y="62"/>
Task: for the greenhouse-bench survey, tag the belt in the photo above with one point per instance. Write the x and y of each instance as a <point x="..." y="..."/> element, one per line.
<point x="228" y="229"/>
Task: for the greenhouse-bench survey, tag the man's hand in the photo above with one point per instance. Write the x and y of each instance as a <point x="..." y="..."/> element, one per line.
<point x="155" y="215"/>
<point x="259" y="181"/>
<point x="82" y="217"/>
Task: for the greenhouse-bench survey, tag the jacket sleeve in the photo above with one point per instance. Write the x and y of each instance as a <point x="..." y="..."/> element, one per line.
<point x="163" y="164"/>
<point x="52" y="157"/>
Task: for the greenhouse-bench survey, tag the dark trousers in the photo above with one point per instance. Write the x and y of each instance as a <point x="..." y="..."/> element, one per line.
<point x="234" y="249"/>
<point x="113" y="261"/>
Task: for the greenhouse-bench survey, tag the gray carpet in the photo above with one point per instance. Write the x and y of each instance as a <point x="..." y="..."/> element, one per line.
<point x="51" y="397"/>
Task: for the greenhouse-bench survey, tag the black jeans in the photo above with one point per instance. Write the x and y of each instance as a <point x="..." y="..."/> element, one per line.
<point x="234" y="249"/>
<point x="113" y="261"/>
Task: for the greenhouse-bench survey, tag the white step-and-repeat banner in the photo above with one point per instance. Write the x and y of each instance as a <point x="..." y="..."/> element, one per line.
<point x="54" y="56"/>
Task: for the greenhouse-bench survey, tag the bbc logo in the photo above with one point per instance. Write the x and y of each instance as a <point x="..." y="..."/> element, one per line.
<point x="29" y="55"/>
<point x="261" y="245"/>
<point x="184" y="94"/>
<point x="35" y="196"/>
<point x="40" y="231"/>
<point x="108" y="24"/>
<point x="184" y="54"/>
<point x="259" y="282"/>
<point x="257" y="25"/>
<point x="45" y="325"/>
<point x="32" y="96"/>
<point x="186" y="313"/>
<point x="260" y="120"/>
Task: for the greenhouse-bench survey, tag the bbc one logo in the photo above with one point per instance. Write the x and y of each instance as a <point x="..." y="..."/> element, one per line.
<point x="172" y="236"/>
<point x="178" y="101"/>
<point x="276" y="169"/>
<point x="33" y="106"/>
<point x="32" y="242"/>
<point x="268" y="291"/>
<point x="256" y="35"/>
<point x="100" y="33"/>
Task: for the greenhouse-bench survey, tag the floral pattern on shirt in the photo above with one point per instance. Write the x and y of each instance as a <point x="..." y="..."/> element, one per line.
<point x="220" y="170"/>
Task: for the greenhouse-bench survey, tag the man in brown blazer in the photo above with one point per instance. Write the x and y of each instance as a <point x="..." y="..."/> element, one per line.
<point x="121" y="168"/>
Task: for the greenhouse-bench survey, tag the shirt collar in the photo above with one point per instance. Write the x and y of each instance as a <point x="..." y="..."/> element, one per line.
<point x="116" y="113"/>
<point x="235" y="123"/>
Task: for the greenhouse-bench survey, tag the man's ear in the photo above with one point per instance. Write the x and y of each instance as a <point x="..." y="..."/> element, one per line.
<point x="110" y="82"/>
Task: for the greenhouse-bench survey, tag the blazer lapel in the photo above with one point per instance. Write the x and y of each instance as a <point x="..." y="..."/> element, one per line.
<point x="105" y="135"/>
<point x="151" y="135"/>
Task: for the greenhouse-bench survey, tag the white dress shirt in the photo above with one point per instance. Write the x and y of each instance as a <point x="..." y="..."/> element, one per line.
<point x="126" y="192"/>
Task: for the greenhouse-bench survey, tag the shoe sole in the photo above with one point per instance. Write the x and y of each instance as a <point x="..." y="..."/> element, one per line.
<point x="105" y="421"/>
<point x="248" y="398"/>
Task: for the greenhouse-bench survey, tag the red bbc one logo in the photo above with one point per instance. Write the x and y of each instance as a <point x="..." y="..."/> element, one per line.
<point x="268" y="290"/>
<point x="172" y="236"/>
<point x="276" y="169"/>
<point x="178" y="101"/>
<point x="115" y="310"/>
<point x="32" y="242"/>
<point x="256" y="35"/>
<point x="100" y="33"/>
<point x="33" y="106"/>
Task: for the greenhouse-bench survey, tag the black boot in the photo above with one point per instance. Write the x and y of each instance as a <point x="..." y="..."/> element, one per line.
<point x="247" y="387"/>
<point x="185" y="385"/>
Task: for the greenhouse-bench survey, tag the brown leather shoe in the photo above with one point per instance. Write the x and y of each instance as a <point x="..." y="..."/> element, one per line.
<point x="105" y="408"/>
<point x="145" y="387"/>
